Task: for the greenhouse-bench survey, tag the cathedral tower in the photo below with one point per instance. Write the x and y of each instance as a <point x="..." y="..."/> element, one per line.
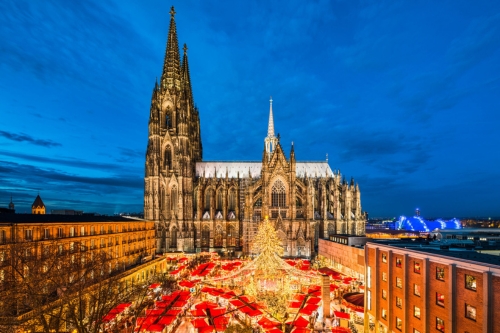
<point x="174" y="146"/>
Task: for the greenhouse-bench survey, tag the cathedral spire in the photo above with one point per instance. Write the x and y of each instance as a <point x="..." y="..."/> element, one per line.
<point x="186" y="78"/>
<point x="270" y="141"/>
<point x="171" y="65"/>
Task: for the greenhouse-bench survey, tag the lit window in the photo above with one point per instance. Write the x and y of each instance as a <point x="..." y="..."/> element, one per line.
<point x="416" y="312"/>
<point x="416" y="289"/>
<point x="29" y="234"/>
<point x="384" y="314"/>
<point x="369" y="277"/>
<point x="470" y="282"/>
<point x="440" y="273"/>
<point x="399" y="282"/>
<point x="72" y="232"/>
<point x="369" y="298"/>
<point x="399" y="324"/>
<point x="399" y="302"/>
<point x="416" y="331"/>
<point x="384" y="276"/>
<point x="384" y="257"/>
<point x="439" y="299"/>
<point x="384" y="294"/>
<point x="439" y="324"/>
<point x="416" y="267"/>
<point x="470" y="312"/>
<point x="398" y="262"/>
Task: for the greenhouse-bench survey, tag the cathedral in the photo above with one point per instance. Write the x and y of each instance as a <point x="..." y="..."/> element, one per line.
<point x="217" y="206"/>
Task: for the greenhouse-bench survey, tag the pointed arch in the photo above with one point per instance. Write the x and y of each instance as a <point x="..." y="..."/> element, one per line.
<point x="232" y="199"/>
<point x="208" y="198"/>
<point x="173" y="237"/>
<point x="219" y="199"/>
<point x="168" y="157"/>
<point x="218" y="236"/>
<point x="231" y="236"/>
<point x="174" y="200"/>
<point x="205" y="236"/>
<point x="278" y="194"/>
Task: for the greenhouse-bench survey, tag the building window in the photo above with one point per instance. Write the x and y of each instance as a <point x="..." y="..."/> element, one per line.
<point x="416" y="331"/>
<point x="173" y="237"/>
<point x="384" y="276"/>
<point x="439" y="324"/>
<point x="369" y="298"/>
<point x="278" y="194"/>
<point x="440" y="299"/>
<point x="205" y="236"/>
<point x="219" y="200"/>
<point x="384" y="257"/>
<point x="384" y="313"/>
<point x="416" y="312"/>
<point x="102" y="229"/>
<point x="440" y="273"/>
<point x="470" y="312"/>
<point x="369" y="277"/>
<point x="416" y="289"/>
<point x="416" y="267"/>
<point x="46" y="233"/>
<point x="218" y="239"/>
<point x="28" y="235"/>
<point x="399" y="302"/>
<point x="399" y="324"/>
<point x="399" y="262"/>
<point x="72" y="232"/>
<point x="470" y="282"/>
<point x="384" y="294"/>
<point x="231" y="236"/>
<point x="208" y="199"/>
<point x="173" y="196"/>
<point x="399" y="282"/>
<point x="60" y="233"/>
<point x="3" y="237"/>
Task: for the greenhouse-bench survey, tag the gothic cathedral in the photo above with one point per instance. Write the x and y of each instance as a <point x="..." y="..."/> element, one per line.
<point x="216" y="206"/>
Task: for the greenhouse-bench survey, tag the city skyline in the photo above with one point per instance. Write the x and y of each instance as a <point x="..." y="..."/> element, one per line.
<point x="400" y="97"/>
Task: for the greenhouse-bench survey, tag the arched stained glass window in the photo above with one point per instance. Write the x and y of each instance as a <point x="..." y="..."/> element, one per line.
<point x="173" y="201"/>
<point x="278" y="194"/>
<point x="218" y="236"/>
<point x="205" y="237"/>
<point x="219" y="200"/>
<point x="208" y="199"/>
<point x="231" y="236"/>
<point x="173" y="237"/>
<point x="168" y="158"/>
<point x="232" y="199"/>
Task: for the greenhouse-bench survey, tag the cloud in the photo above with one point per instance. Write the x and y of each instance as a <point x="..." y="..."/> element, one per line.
<point x="66" y="161"/>
<point x="26" y="138"/>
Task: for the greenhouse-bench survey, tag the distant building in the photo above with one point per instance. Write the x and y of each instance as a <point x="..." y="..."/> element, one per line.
<point x="66" y="212"/>
<point x="9" y="210"/>
<point x="11" y="205"/>
<point x="38" y="207"/>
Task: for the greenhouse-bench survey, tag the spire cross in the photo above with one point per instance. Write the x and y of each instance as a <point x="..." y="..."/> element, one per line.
<point x="271" y="100"/>
<point x="172" y="12"/>
<point x="185" y="48"/>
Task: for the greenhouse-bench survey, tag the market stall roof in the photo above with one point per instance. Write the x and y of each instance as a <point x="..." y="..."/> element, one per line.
<point x="155" y="328"/>
<point x="309" y="309"/>
<point x="354" y="301"/>
<point x="154" y="285"/>
<point x="341" y="315"/>
<point x="313" y="300"/>
<point x="265" y="323"/>
<point x="301" y="330"/>
<point x="166" y="320"/>
<point x="299" y="322"/>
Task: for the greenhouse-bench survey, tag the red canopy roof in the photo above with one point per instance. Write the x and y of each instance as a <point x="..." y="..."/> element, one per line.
<point x="299" y="322"/>
<point x="156" y="328"/>
<point x="301" y="330"/>
<point x="166" y="320"/>
<point x="341" y="315"/>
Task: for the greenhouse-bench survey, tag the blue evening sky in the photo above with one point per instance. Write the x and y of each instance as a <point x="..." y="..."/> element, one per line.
<point x="402" y="95"/>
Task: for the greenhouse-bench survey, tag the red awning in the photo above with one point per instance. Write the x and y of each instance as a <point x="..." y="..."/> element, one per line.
<point x="294" y="305"/>
<point x="299" y="322"/>
<point x="154" y="285"/>
<point x="313" y="300"/>
<point x="156" y="328"/>
<point x="342" y="315"/>
<point x="166" y="320"/>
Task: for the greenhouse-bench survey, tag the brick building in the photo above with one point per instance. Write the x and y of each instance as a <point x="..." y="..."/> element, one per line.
<point x="427" y="290"/>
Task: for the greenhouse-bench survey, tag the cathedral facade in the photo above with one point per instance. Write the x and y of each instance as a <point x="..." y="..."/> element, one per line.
<point x="216" y="206"/>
